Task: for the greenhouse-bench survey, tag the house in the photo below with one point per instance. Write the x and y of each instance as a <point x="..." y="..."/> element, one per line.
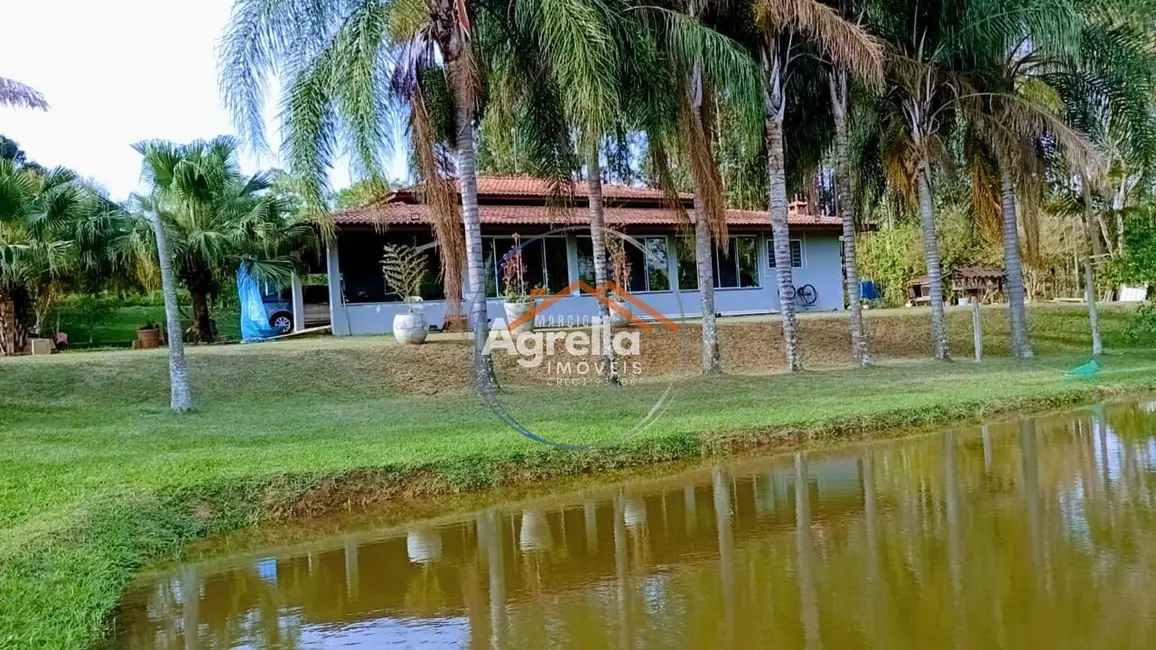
<point x="557" y="254"/>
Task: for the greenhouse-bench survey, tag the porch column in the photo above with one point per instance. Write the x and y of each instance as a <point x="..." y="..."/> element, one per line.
<point x="672" y="263"/>
<point x="338" y="318"/>
<point x="298" y="304"/>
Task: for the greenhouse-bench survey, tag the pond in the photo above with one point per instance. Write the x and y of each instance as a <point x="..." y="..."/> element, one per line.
<point x="1029" y="533"/>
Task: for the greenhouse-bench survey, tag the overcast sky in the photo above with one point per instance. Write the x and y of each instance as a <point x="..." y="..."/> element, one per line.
<point x="116" y="72"/>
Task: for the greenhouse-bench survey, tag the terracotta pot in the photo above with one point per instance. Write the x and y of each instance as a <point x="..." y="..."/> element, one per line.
<point x="149" y="338"/>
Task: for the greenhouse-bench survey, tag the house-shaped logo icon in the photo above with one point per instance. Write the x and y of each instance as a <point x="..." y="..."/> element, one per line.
<point x="605" y="293"/>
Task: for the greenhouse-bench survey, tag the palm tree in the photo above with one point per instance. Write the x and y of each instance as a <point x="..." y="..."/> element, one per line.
<point x="919" y="109"/>
<point x="180" y="397"/>
<point x="14" y="93"/>
<point x="55" y="234"/>
<point x="215" y="218"/>
<point x="851" y="49"/>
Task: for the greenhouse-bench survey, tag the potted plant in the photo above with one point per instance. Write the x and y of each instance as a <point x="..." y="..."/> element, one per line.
<point x="405" y="270"/>
<point x="620" y="269"/>
<point x="149" y="336"/>
<point x="516" y="295"/>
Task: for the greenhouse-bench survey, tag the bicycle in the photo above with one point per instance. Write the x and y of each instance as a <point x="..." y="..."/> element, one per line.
<point x="805" y="295"/>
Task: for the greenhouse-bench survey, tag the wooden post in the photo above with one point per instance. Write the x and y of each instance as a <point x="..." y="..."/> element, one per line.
<point x="976" y="327"/>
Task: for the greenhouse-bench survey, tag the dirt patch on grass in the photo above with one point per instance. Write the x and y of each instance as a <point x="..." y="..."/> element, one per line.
<point x="748" y="347"/>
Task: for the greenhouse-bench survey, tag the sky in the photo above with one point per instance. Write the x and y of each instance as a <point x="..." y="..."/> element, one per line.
<point x="116" y="72"/>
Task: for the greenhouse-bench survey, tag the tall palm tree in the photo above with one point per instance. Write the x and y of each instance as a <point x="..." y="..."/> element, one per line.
<point x="215" y="218"/>
<point x="14" y="93"/>
<point x="851" y="49"/>
<point x="180" y="396"/>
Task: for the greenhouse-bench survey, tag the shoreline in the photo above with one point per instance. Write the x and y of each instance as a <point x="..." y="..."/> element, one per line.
<point x="167" y="522"/>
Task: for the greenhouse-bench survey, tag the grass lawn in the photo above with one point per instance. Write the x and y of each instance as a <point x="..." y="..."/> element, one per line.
<point x="98" y="476"/>
<point x="118" y="329"/>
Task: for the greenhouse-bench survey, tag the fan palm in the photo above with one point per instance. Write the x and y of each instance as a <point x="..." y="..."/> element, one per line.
<point x="214" y="218"/>
<point x="14" y="93"/>
<point x="55" y="234"/>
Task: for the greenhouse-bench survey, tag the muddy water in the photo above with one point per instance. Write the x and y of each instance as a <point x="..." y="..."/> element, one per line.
<point x="1034" y="533"/>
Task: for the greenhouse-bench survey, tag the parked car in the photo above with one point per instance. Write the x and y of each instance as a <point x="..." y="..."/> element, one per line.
<point x="279" y="307"/>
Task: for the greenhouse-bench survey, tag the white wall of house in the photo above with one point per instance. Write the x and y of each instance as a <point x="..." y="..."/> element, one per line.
<point x="821" y="267"/>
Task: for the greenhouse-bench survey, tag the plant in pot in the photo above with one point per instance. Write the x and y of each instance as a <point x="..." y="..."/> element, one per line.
<point x="620" y="269"/>
<point x="516" y="295"/>
<point x="405" y="270"/>
<point x="149" y="335"/>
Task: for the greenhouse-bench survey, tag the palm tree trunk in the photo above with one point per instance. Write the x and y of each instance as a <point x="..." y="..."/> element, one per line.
<point x="1089" y="273"/>
<point x="704" y="261"/>
<point x="598" y="245"/>
<point x="934" y="271"/>
<point x="837" y="81"/>
<point x="180" y="399"/>
<point x="1013" y="268"/>
<point x="777" y="179"/>
<point x="475" y="257"/>
<point x="202" y="325"/>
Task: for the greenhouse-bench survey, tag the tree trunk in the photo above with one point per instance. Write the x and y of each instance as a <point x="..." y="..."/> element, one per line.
<point x="1089" y="273"/>
<point x="703" y="246"/>
<point x="777" y="180"/>
<point x="1013" y="268"/>
<point x="598" y="245"/>
<point x="704" y="261"/>
<point x="837" y="81"/>
<point x="202" y="330"/>
<point x="475" y="257"/>
<point x="934" y="271"/>
<point x="180" y="398"/>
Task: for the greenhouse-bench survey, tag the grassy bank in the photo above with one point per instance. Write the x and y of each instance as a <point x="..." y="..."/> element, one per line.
<point x="98" y="477"/>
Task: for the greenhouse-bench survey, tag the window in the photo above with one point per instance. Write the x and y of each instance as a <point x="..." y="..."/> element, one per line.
<point x="544" y="259"/>
<point x="657" y="278"/>
<point x="796" y="253"/>
<point x="687" y="265"/>
<point x="736" y="266"/>
<point x="648" y="270"/>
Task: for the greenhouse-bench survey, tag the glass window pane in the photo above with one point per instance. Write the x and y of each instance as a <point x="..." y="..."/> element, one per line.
<point x="726" y="270"/>
<point x="637" y="260"/>
<point x="491" y="264"/>
<point x="656" y="266"/>
<point x="748" y="254"/>
<point x="534" y="276"/>
<point x="586" y="261"/>
<point x="796" y="253"/>
<point x="687" y="272"/>
<point x="557" y="269"/>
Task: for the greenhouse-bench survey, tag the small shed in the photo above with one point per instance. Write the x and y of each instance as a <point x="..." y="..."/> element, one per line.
<point x="984" y="283"/>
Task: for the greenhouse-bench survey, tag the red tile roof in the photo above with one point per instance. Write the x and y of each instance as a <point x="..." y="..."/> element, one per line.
<point x="529" y="187"/>
<point x="517" y="215"/>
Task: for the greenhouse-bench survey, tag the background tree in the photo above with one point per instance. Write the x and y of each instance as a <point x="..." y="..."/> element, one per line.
<point x="214" y="218"/>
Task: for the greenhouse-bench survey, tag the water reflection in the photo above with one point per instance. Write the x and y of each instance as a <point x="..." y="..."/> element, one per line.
<point x="1025" y="533"/>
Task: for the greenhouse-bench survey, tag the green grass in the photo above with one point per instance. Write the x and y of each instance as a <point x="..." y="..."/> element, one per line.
<point x="118" y="329"/>
<point x="98" y="477"/>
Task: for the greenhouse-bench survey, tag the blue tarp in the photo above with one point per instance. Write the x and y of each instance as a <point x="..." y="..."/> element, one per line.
<point x="254" y="321"/>
<point x="867" y="290"/>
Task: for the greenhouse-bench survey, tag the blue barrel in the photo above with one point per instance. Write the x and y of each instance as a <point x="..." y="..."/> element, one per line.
<point x="867" y="290"/>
